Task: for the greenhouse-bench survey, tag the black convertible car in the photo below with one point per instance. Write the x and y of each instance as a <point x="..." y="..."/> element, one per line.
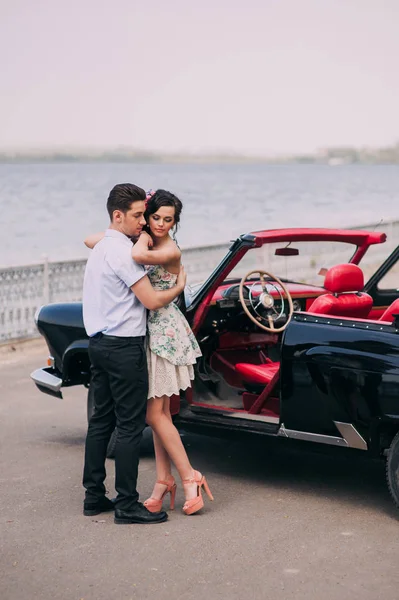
<point x="312" y="354"/>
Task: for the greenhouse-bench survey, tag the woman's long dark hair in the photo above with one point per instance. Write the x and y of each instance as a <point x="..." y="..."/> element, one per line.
<point x="162" y="198"/>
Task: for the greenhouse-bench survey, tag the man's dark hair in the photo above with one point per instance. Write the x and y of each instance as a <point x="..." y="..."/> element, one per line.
<point x="121" y="197"/>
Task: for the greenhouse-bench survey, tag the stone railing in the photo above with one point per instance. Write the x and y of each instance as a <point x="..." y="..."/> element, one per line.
<point x="24" y="289"/>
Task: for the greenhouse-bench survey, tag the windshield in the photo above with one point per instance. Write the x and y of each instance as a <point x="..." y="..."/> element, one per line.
<point x="308" y="266"/>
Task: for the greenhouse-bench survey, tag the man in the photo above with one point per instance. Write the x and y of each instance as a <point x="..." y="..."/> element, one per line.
<point x="116" y="294"/>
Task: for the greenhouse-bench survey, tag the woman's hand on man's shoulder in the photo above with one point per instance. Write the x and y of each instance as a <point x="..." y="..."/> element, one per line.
<point x="146" y="238"/>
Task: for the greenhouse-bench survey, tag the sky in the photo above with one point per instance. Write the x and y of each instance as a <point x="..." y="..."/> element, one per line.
<point x="257" y="77"/>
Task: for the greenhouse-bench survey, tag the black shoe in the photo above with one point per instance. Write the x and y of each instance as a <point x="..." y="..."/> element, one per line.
<point x="139" y="514"/>
<point x="91" y="509"/>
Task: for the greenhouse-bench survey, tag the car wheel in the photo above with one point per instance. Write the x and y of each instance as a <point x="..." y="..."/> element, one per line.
<point x="393" y="469"/>
<point x="90" y="410"/>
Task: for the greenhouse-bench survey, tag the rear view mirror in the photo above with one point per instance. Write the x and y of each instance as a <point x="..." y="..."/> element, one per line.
<point x="286" y="252"/>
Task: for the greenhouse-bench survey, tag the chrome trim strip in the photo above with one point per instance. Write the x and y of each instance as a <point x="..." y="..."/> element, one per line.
<point x="249" y="417"/>
<point x="351" y="435"/>
<point x="235" y="415"/>
<point x="47" y="380"/>
<point x="37" y="314"/>
<point x="312" y="437"/>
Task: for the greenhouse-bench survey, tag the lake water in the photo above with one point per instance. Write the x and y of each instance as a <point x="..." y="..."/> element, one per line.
<point x="48" y="209"/>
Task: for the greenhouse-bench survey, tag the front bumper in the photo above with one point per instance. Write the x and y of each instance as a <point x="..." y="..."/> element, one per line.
<point x="48" y="381"/>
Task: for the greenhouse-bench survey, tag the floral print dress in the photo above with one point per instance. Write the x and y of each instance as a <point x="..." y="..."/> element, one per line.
<point x="172" y="349"/>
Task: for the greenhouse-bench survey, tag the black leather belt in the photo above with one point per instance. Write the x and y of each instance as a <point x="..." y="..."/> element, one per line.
<point x="117" y="338"/>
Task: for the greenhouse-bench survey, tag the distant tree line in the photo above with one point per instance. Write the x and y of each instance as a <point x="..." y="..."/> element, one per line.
<point x="330" y="156"/>
<point x="350" y="155"/>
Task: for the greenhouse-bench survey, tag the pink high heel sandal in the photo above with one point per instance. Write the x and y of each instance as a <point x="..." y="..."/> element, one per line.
<point x="195" y="504"/>
<point x="154" y="505"/>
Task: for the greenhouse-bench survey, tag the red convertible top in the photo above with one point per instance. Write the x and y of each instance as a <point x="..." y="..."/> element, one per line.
<point x="351" y="236"/>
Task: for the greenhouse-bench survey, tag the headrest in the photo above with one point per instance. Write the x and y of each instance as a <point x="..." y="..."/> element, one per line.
<point x="344" y="278"/>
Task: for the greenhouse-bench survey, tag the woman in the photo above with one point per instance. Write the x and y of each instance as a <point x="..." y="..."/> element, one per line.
<point x="172" y="351"/>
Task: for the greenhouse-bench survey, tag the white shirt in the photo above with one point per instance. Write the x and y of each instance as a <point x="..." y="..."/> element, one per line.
<point x="109" y="305"/>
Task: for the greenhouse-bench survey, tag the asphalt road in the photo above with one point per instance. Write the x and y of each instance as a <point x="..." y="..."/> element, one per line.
<point x="286" y="522"/>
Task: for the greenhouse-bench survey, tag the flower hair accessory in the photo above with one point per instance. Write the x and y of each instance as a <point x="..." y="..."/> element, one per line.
<point x="149" y="195"/>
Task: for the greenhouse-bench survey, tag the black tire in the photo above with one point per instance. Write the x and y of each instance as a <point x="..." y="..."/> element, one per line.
<point x="392" y="471"/>
<point x="90" y="410"/>
<point x="147" y="443"/>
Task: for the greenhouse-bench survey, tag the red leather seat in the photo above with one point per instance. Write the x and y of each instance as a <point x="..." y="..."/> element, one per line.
<point x="261" y="374"/>
<point x="344" y="298"/>
<point x="393" y="309"/>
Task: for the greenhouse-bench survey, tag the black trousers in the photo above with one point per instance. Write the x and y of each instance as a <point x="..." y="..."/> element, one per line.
<point x="119" y="380"/>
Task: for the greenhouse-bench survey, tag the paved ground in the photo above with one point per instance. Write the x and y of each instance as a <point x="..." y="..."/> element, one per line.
<point x="285" y="523"/>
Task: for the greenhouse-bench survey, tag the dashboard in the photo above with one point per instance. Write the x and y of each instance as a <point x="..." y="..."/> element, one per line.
<point x="230" y="296"/>
<point x="227" y="314"/>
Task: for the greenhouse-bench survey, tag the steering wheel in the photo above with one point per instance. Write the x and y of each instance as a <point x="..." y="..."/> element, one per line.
<point x="265" y="301"/>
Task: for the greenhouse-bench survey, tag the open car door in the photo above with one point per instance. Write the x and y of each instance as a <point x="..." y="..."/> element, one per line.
<point x="383" y="286"/>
